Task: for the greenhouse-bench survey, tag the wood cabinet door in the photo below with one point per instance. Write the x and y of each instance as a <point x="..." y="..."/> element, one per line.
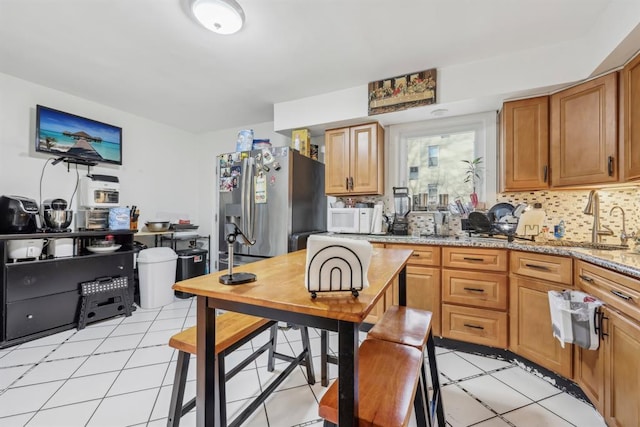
<point x="622" y="371"/>
<point x="530" y="329"/>
<point x="525" y="130"/>
<point x="630" y="116"/>
<point x="337" y="148"/>
<point x="584" y="133"/>
<point x="367" y="159"/>
<point x="423" y="292"/>
<point x="588" y="372"/>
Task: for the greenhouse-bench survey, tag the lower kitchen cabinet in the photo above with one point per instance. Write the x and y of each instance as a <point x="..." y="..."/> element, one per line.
<point x="423" y="282"/>
<point x="485" y="327"/>
<point x="622" y="371"/>
<point x="474" y="295"/>
<point x="530" y="327"/>
<point x="610" y="376"/>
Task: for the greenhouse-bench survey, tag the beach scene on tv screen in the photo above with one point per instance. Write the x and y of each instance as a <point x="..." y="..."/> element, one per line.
<point x="63" y="134"/>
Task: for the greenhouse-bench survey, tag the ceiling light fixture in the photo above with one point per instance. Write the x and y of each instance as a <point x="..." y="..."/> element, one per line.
<point x="219" y="16"/>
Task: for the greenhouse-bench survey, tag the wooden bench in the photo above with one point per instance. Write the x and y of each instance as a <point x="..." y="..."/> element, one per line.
<point x="232" y="331"/>
<point x="412" y="327"/>
<point x="388" y="377"/>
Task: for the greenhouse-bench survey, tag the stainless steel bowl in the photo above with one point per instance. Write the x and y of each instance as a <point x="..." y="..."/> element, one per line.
<point x="156" y="226"/>
<point x="57" y="219"/>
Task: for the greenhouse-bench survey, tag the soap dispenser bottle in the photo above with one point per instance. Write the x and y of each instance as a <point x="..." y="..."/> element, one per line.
<point x="558" y="230"/>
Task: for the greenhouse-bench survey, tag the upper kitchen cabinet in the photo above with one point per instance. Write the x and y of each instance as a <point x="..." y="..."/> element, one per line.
<point x="631" y="119"/>
<point x="525" y="144"/>
<point x="354" y="160"/>
<point x="584" y="133"/>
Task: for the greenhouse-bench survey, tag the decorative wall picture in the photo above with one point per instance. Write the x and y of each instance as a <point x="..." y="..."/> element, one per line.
<point x="402" y="92"/>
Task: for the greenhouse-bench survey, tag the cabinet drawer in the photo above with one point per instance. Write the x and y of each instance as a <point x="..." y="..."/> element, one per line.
<point x="33" y="315"/>
<point x="35" y="279"/>
<point x="422" y="254"/>
<point x="475" y="259"/>
<point x="487" y="290"/>
<point x="475" y="325"/>
<point x="616" y="290"/>
<point x="553" y="268"/>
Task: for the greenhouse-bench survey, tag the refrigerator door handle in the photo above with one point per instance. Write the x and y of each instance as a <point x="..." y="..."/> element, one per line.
<point x="246" y="197"/>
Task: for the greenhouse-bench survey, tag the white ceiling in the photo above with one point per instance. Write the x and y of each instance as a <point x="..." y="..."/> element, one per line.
<point x="148" y="58"/>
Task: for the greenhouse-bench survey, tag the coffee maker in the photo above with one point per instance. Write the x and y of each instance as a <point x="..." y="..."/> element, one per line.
<point x="402" y="204"/>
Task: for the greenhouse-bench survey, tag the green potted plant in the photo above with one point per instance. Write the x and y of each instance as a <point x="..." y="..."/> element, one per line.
<point x="472" y="175"/>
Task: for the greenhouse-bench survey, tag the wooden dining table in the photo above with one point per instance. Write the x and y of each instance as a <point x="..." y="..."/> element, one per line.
<point x="279" y="293"/>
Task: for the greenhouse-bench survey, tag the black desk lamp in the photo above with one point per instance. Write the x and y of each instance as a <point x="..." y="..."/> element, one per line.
<point x="238" y="278"/>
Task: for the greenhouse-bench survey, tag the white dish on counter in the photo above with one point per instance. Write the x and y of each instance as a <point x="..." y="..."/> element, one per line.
<point x="103" y="249"/>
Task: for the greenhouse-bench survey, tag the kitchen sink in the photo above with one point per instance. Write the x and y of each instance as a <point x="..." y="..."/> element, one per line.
<point x="585" y="245"/>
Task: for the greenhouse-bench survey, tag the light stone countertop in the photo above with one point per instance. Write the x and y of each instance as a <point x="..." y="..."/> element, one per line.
<point x="622" y="261"/>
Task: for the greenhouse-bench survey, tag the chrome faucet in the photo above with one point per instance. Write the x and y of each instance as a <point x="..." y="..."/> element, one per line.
<point x="593" y="208"/>
<point x="623" y="234"/>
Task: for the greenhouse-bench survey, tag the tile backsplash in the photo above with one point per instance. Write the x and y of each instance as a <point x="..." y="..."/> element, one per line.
<point x="558" y="205"/>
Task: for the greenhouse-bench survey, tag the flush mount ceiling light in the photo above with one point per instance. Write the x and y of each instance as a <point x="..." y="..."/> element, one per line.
<point x="219" y="16"/>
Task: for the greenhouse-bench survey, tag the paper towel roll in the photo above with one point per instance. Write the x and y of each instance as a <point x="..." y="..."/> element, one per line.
<point x="376" y="222"/>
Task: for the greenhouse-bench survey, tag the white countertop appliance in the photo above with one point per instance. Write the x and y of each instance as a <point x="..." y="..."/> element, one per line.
<point x="99" y="191"/>
<point x="24" y="249"/>
<point x="350" y="220"/>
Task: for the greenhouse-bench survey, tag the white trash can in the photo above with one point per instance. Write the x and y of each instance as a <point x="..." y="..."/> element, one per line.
<point x="157" y="273"/>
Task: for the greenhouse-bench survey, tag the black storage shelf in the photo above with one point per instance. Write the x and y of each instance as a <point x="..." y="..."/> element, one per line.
<point x="40" y="297"/>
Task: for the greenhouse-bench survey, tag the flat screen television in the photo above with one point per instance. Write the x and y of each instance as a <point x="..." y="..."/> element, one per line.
<point x="77" y="139"/>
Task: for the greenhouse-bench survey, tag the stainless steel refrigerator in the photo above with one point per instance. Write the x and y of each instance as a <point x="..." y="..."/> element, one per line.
<point x="275" y="196"/>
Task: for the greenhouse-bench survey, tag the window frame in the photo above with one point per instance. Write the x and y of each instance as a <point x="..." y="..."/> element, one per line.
<point x="485" y="127"/>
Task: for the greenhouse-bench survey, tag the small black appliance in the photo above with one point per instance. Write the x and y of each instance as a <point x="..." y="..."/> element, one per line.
<point x="18" y="215"/>
<point x="402" y="202"/>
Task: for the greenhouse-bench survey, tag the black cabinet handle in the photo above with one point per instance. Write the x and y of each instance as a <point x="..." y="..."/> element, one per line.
<point x="586" y="278"/>
<point x="545" y="173"/>
<point x="538" y="267"/>
<point x="346" y="183"/>
<point x="473" y="259"/>
<point x="610" y="166"/>
<point x="473" y="326"/>
<point x="621" y="295"/>
<point x="351" y="183"/>
<point x="473" y="289"/>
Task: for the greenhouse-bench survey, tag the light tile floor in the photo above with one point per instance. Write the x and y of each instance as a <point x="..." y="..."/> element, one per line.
<point x="119" y="373"/>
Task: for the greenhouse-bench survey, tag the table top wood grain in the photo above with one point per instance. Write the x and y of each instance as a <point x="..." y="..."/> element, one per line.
<point x="280" y="285"/>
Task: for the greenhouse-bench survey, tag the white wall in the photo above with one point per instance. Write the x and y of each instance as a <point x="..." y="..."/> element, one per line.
<point x="159" y="171"/>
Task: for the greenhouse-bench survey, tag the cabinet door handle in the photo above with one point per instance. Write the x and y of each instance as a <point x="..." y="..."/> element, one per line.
<point x="538" y="267"/>
<point x="473" y="289"/>
<point x="586" y="278"/>
<point x="610" y="166"/>
<point x="415" y="254"/>
<point x="545" y="173"/>
<point x="473" y="326"/>
<point x="473" y="259"/>
<point x="346" y="183"/>
<point x="621" y="295"/>
<point x="351" y="183"/>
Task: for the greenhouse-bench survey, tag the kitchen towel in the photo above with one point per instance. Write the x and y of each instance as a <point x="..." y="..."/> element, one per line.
<point x="336" y="264"/>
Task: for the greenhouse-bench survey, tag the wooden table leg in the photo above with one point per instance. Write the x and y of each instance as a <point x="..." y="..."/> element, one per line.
<point x="347" y="373"/>
<point x="207" y="391"/>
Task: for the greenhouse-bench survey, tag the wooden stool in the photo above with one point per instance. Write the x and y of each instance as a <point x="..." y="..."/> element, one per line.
<point x="388" y="377"/>
<point x="412" y="327"/>
<point x="232" y="331"/>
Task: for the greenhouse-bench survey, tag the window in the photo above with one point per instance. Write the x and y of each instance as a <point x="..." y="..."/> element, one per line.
<point x="429" y="155"/>
<point x="433" y="156"/>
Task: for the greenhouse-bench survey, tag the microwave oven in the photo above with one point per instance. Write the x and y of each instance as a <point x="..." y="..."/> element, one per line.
<point x="350" y="220"/>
